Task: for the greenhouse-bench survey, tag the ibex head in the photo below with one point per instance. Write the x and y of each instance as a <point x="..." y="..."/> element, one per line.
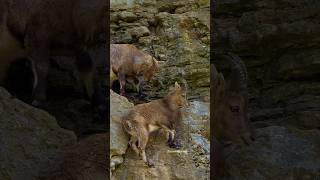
<point x="177" y="95"/>
<point x="154" y="66"/>
<point x="230" y="107"/>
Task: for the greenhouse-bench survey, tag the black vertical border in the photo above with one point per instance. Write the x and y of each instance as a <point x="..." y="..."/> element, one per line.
<point x="107" y="48"/>
<point x="212" y="139"/>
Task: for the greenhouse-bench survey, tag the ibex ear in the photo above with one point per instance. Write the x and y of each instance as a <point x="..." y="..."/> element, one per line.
<point x="221" y="86"/>
<point x="155" y="63"/>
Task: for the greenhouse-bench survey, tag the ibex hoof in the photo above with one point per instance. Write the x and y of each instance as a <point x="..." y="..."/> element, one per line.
<point x="175" y="145"/>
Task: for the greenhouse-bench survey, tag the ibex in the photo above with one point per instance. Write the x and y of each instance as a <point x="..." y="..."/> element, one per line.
<point x="129" y="64"/>
<point x="230" y="104"/>
<point x="229" y="109"/>
<point x="158" y="114"/>
<point x="46" y="28"/>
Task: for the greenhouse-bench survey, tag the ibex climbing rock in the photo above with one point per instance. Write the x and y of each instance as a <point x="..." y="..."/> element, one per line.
<point x="157" y="114"/>
<point x="129" y="64"/>
<point x="46" y="28"/>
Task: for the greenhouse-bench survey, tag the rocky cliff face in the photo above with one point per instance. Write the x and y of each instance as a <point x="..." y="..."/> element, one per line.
<point x="279" y="43"/>
<point x="33" y="146"/>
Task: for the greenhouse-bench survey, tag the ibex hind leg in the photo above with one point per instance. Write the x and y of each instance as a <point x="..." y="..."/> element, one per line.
<point x="142" y="148"/>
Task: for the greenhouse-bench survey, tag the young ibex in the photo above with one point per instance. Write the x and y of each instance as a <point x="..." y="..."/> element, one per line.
<point x="46" y="28"/>
<point x="229" y="111"/>
<point x="158" y="114"/>
<point x="130" y="64"/>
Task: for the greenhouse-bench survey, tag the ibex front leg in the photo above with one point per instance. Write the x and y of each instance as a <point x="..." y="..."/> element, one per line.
<point x="122" y="81"/>
<point x="172" y="141"/>
<point x="140" y="86"/>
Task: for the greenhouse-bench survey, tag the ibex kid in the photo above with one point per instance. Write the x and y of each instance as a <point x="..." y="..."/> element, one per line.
<point x="158" y="114"/>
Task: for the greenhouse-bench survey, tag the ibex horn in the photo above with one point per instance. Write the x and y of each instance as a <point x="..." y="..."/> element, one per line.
<point x="239" y="67"/>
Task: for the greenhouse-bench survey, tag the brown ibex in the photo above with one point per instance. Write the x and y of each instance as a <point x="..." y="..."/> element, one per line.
<point x="229" y="110"/>
<point x="129" y="64"/>
<point x="46" y="28"/>
<point x="158" y="114"/>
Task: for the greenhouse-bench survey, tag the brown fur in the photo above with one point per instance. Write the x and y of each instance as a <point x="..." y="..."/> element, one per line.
<point x="46" y="28"/>
<point x="128" y="63"/>
<point x="158" y="114"/>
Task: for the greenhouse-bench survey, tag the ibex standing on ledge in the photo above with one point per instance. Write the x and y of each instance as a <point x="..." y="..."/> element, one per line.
<point x="146" y="118"/>
<point x="128" y="63"/>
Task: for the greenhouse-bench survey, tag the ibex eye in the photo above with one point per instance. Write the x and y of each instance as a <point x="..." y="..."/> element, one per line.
<point x="235" y="108"/>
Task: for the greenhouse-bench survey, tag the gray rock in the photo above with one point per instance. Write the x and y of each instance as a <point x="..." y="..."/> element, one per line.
<point x="32" y="145"/>
<point x="139" y="31"/>
<point x="119" y="107"/>
<point x="87" y="160"/>
<point x="127" y="16"/>
<point x="277" y="153"/>
<point x="197" y="117"/>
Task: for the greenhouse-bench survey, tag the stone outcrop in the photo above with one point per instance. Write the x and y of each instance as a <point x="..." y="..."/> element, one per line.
<point x="120" y="106"/>
<point x="278" y="153"/>
<point x="87" y="160"/>
<point x="32" y="145"/>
